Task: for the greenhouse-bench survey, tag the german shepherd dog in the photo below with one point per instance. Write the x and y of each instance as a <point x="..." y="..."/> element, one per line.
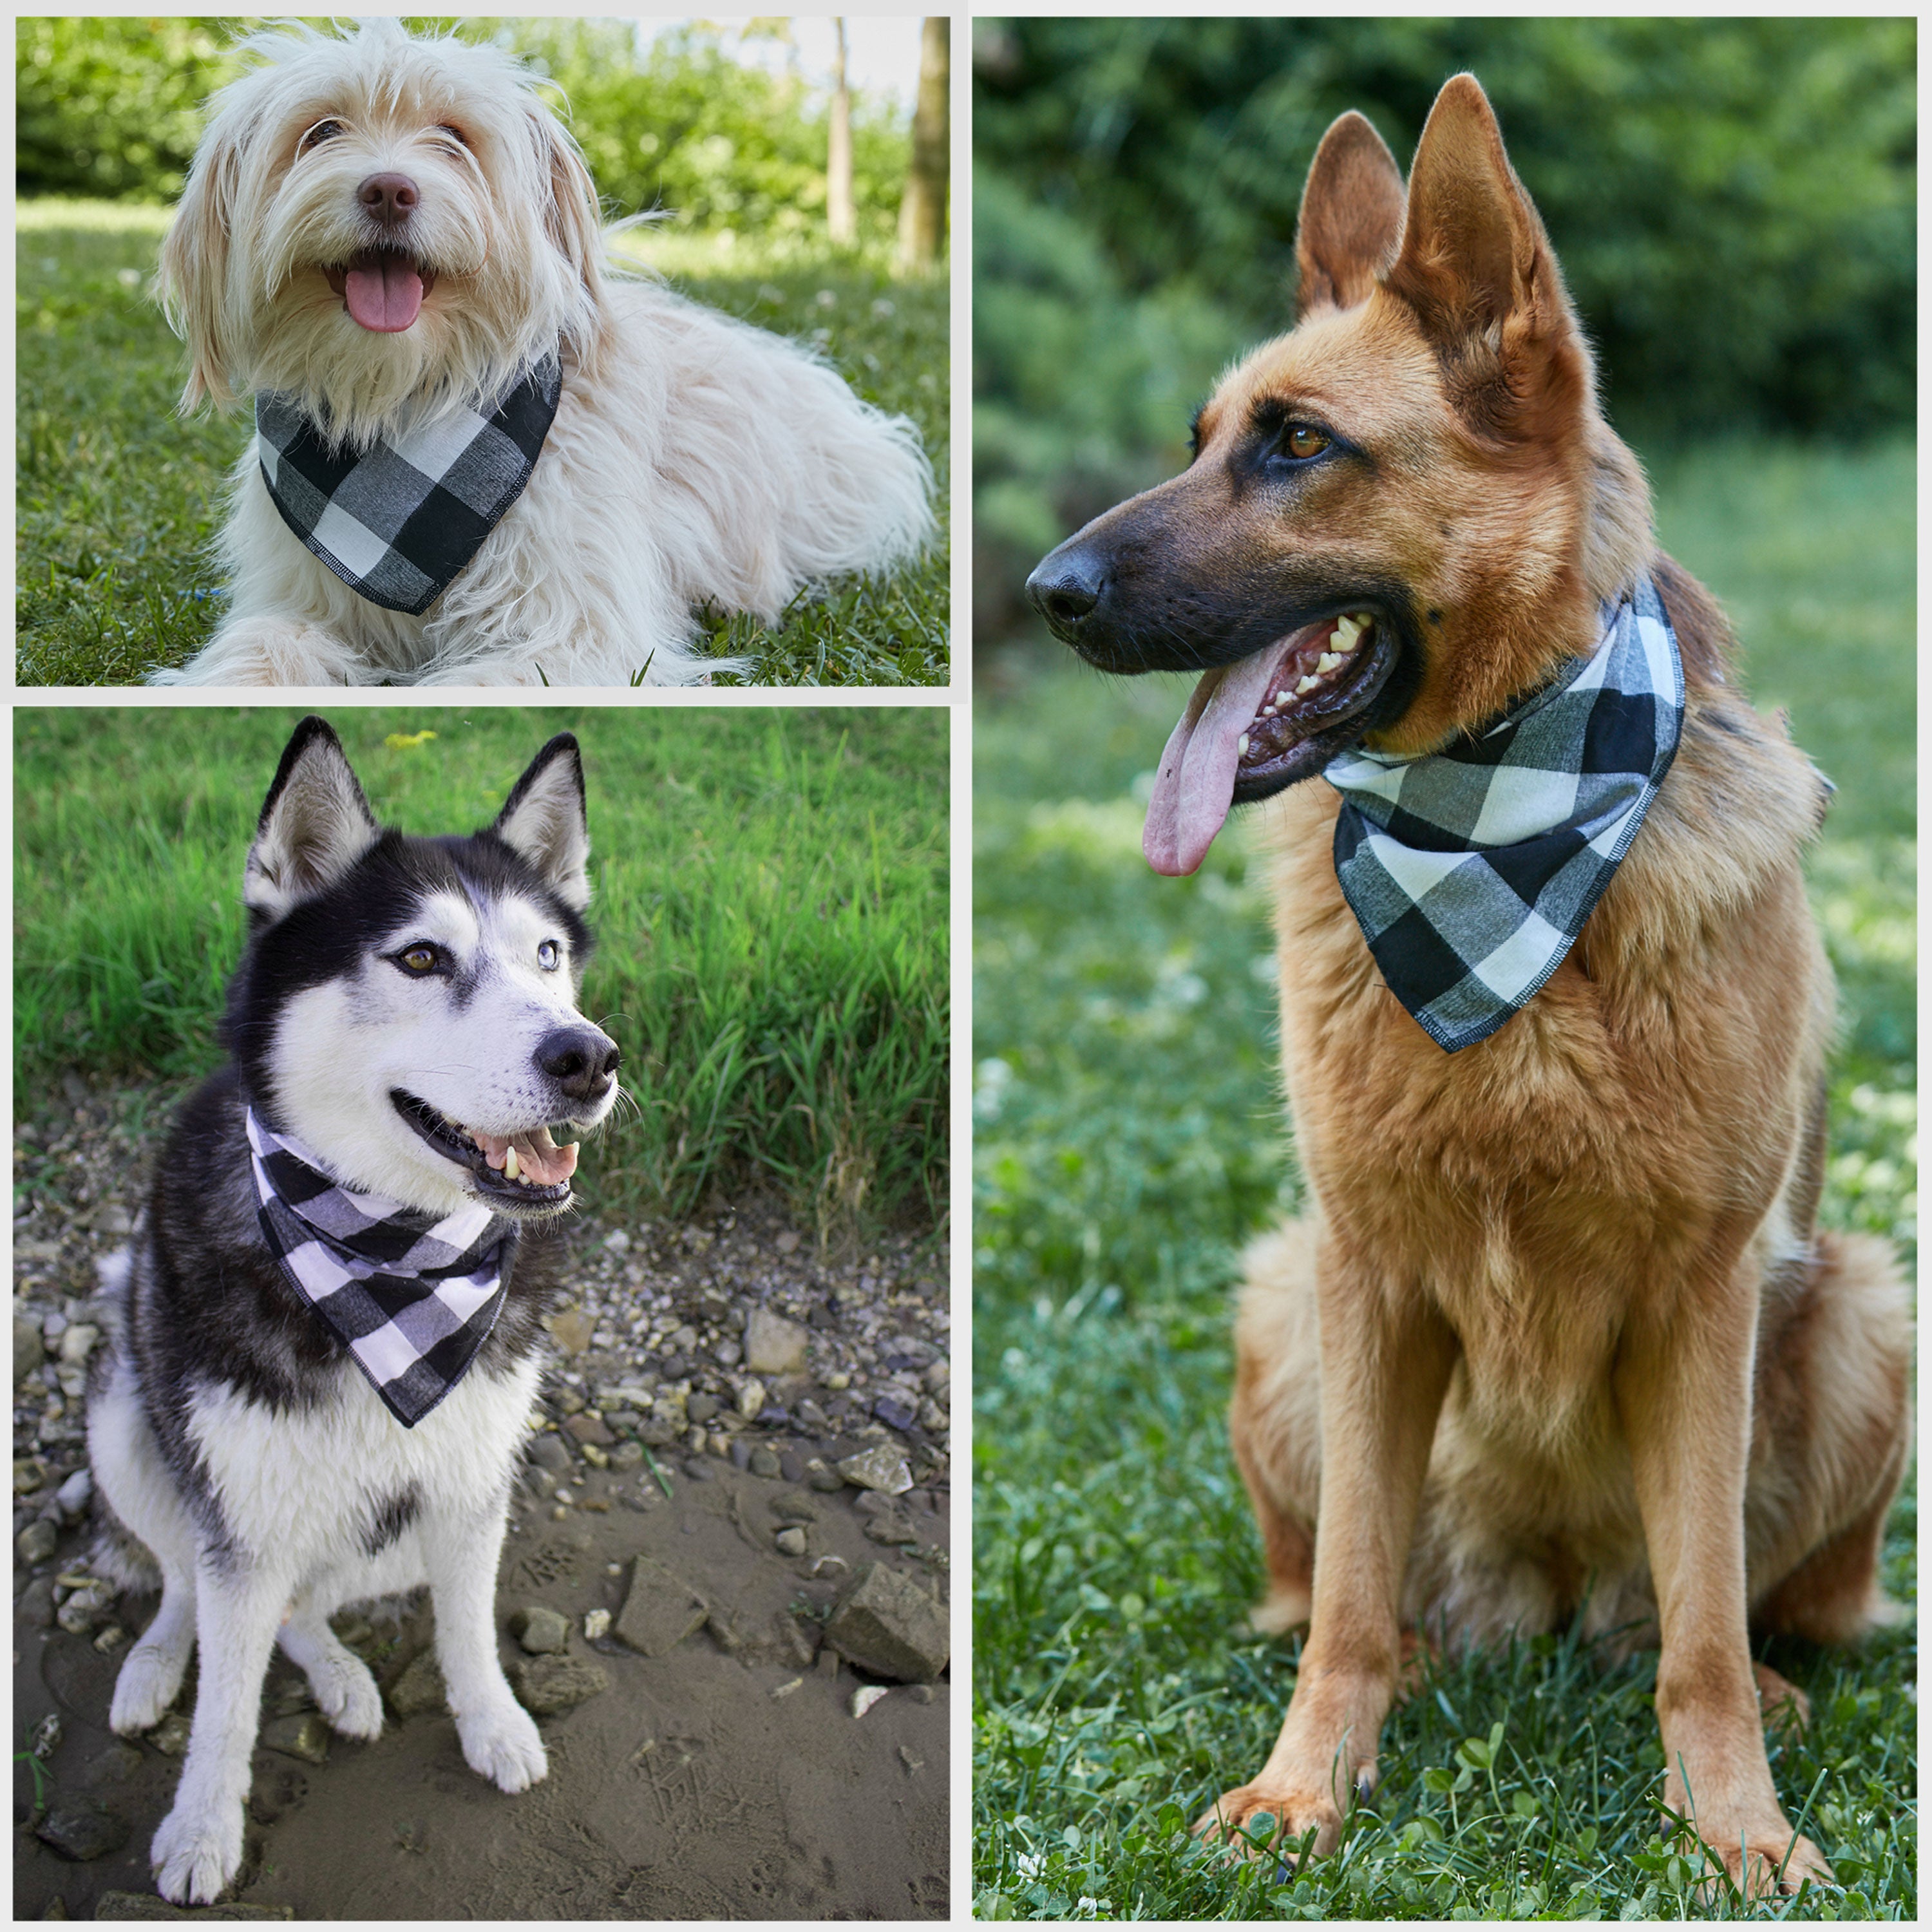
<point x="1557" y="1337"/>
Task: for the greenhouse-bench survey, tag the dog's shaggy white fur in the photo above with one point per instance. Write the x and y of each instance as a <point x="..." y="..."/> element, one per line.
<point x="692" y="457"/>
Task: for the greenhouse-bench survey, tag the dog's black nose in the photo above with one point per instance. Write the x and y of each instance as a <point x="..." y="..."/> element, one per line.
<point x="390" y="199"/>
<point x="1064" y="589"/>
<point x="580" y="1059"/>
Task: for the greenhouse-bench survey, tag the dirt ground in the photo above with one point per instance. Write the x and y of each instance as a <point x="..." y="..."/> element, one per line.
<point x="725" y="1778"/>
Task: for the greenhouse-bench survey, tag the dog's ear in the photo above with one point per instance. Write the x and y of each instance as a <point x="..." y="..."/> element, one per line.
<point x="1478" y="271"/>
<point x="315" y="825"/>
<point x="1350" y="220"/>
<point x="192" y="282"/>
<point x="543" y="821"/>
<point x="572" y="220"/>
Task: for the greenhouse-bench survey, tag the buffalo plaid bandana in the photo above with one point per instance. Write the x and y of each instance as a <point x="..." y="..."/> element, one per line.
<point x="1472" y="871"/>
<point x="397" y="523"/>
<point x="410" y="1297"/>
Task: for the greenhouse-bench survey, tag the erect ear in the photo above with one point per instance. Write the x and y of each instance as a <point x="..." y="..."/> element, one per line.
<point x="1477" y="269"/>
<point x="192" y="282"/>
<point x="1351" y="218"/>
<point x="543" y="821"/>
<point x="315" y="825"/>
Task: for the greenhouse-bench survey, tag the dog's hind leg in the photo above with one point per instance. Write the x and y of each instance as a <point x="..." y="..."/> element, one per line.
<point x="499" y="1737"/>
<point x="344" y="1690"/>
<point x="239" y="1605"/>
<point x="1274" y="1423"/>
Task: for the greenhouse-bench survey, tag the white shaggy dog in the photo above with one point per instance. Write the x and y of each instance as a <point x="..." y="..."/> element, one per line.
<point x="387" y="231"/>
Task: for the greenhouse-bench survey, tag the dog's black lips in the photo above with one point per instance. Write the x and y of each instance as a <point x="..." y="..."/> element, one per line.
<point x="449" y="1140"/>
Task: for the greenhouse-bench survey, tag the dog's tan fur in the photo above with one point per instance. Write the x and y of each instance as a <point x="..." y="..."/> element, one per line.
<point x="1556" y="1334"/>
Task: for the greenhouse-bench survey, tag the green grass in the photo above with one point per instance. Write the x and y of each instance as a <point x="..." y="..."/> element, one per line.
<point x="770" y="902"/>
<point x="119" y="498"/>
<point x="1128" y="1139"/>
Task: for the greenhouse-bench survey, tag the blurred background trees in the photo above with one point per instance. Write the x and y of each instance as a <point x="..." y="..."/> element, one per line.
<point x="679" y="120"/>
<point x="1731" y="200"/>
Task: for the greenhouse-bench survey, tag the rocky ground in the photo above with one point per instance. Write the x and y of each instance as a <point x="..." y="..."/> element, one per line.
<point x="724" y="1593"/>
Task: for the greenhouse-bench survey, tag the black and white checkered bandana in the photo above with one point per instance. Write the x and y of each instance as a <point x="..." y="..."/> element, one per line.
<point x="411" y="1297"/>
<point x="1472" y="871"/>
<point x="397" y="523"/>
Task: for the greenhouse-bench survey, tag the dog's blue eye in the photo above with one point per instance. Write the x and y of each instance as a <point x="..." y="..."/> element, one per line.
<point x="548" y="954"/>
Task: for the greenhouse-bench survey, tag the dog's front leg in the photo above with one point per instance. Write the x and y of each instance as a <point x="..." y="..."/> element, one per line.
<point x="1386" y="1357"/>
<point x="1683" y="1389"/>
<point x="238" y="1606"/>
<point x="499" y="1737"/>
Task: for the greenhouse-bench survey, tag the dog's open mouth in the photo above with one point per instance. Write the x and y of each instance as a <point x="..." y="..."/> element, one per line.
<point x="527" y="1170"/>
<point x="383" y="289"/>
<point x="1255" y="726"/>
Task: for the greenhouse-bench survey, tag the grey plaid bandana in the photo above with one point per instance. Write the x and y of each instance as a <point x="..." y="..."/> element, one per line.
<point x="1472" y="871"/>
<point x="411" y="1297"/>
<point x="397" y="523"/>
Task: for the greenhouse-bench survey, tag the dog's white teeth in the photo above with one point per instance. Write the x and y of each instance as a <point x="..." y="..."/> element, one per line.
<point x="510" y="1158"/>
<point x="1302" y="689"/>
<point x="1267" y="710"/>
<point x="1282" y="696"/>
<point x="1327" y="662"/>
<point x="1242" y="748"/>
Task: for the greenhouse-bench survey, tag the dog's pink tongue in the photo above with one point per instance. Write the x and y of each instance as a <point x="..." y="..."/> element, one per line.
<point x="384" y="292"/>
<point x="1196" y="783"/>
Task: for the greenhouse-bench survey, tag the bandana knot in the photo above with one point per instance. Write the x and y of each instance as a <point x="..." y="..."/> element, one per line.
<point x="411" y="1297"/>
<point x="399" y="522"/>
<point x="1472" y="871"/>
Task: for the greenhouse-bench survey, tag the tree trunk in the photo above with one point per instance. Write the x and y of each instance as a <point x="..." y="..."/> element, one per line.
<point x="922" y="211"/>
<point x="840" y="225"/>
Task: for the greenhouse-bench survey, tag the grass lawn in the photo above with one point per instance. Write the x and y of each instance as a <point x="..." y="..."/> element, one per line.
<point x="1128" y="1140"/>
<point x="119" y="498"/>
<point x="770" y="900"/>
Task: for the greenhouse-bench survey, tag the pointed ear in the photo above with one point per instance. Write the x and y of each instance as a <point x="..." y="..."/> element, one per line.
<point x="1351" y="220"/>
<point x="543" y="821"/>
<point x="192" y="282"/>
<point x="314" y="826"/>
<point x="1477" y="269"/>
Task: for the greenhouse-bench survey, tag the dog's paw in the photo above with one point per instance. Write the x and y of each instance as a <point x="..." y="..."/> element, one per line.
<point x="149" y="1682"/>
<point x="347" y="1696"/>
<point x="501" y="1744"/>
<point x="1267" y="1818"/>
<point x="195" y="1852"/>
<point x="1765" y="1865"/>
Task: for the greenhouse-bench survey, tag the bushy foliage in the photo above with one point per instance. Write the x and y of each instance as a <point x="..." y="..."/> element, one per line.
<point x="1732" y="201"/>
<point x="112" y="107"/>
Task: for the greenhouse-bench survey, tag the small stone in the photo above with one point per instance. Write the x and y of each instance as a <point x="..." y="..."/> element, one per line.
<point x="595" y="1456"/>
<point x="937" y="1376"/>
<point x="588" y="1428"/>
<point x="540" y="1484"/>
<point x="838" y="1379"/>
<point x="617" y="1241"/>
<point x="570" y="1402"/>
<point x="77" y="1344"/>
<point x="549" y="1451"/>
<point x="828" y="1662"/>
<point x="786" y="1689"/>
<point x="764" y="1461"/>
<point x="894" y="1415"/>
<point x="111" y="1638"/>
<point x="741" y="1452"/>
<point x="786" y="1243"/>
<point x="827" y="1482"/>
<point x="545" y="1685"/>
<point x="933" y="1419"/>
<point x="864" y="1697"/>
<point x="882" y="1468"/>
<point x="114" y="1765"/>
<point x="627" y="1455"/>
<point x="810" y="1415"/>
<point x="36" y="1608"/>
<point x="30" y="1473"/>
<point x="56" y="1908"/>
<point x="661" y="1609"/>
<point x="541" y="1631"/>
<point x="892" y="1528"/>
<point x="789" y="1467"/>
<point x="658" y="1430"/>
<point x="773" y="1345"/>
<point x="728" y="1353"/>
<point x="305" y="1737"/>
<point x="791" y="1542"/>
<point x="886" y="1624"/>
<point x="570" y="1329"/>
<point x="29" y="1350"/>
<point x="685" y="1339"/>
<point x="80" y="1833"/>
<point x="170" y="1737"/>
<point x="750" y="1398"/>
<point x="702" y="1407"/>
<point x="74" y="1495"/>
<point x="35" y="1544"/>
<point x="922" y="1693"/>
<point x="697" y="1469"/>
<point x="420" y="1687"/>
<point x="793" y="1506"/>
<point x="596" y="1623"/>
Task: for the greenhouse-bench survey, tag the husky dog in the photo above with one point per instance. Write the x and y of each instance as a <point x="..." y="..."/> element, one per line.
<point x="288" y="1425"/>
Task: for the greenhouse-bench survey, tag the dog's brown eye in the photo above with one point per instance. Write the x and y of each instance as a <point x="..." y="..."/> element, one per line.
<point x="417" y="959"/>
<point x="322" y="130"/>
<point x="454" y="133"/>
<point x="1303" y="439"/>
